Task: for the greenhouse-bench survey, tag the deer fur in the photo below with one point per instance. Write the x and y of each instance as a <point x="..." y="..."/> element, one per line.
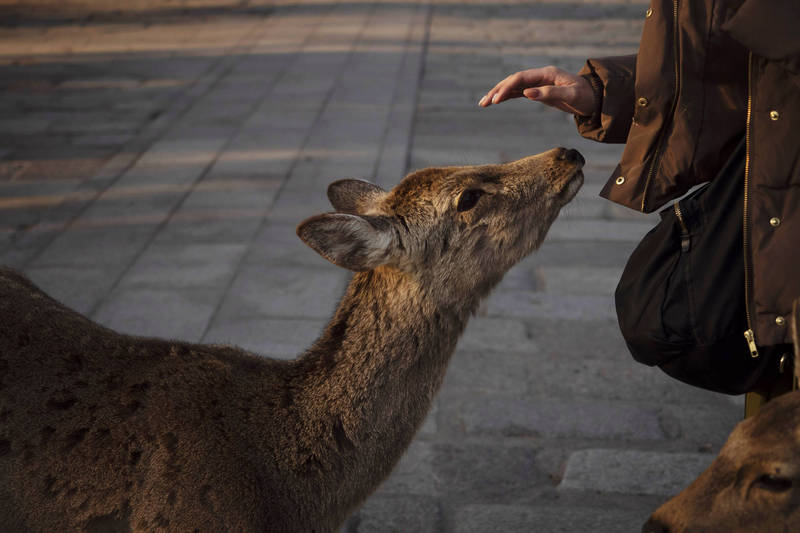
<point x="101" y="431"/>
<point x="754" y="483"/>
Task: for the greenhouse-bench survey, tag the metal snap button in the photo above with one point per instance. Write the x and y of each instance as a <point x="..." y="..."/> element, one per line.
<point x="779" y="320"/>
<point x="648" y="13"/>
<point x="620" y="180"/>
<point x="642" y="102"/>
<point x="774" y="222"/>
<point x="774" y="115"/>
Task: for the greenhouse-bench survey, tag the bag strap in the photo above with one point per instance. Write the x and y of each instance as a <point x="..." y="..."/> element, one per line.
<point x="796" y="340"/>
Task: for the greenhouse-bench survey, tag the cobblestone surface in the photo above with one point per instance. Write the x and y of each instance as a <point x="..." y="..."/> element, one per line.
<point x="155" y="158"/>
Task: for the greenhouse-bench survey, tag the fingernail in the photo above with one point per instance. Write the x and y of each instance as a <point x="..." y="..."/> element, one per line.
<point x="494" y="98"/>
<point x="534" y="94"/>
<point x="480" y="102"/>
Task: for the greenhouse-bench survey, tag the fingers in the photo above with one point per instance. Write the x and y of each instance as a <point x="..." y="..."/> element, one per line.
<point x="569" y="98"/>
<point x="552" y="94"/>
<point x="514" y="85"/>
<point x="561" y="98"/>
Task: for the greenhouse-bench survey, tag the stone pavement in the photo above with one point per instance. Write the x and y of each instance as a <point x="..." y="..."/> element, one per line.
<point x="155" y="161"/>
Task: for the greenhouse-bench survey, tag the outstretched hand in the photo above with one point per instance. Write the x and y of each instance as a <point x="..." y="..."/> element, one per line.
<point x="549" y="85"/>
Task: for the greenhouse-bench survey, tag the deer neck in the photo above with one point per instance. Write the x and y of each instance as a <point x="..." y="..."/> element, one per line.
<point x="368" y="382"/>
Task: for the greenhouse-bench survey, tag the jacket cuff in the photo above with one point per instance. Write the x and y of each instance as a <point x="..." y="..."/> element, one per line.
<point x="592" y="121"/>
<point x="612" y="80"/>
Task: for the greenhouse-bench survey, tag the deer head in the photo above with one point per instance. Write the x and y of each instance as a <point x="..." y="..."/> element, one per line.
<point x="455" y="227"/>
<point x="754" y="483"/>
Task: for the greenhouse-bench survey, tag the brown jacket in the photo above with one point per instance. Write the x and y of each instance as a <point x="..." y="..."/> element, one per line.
<point x="708" y="72"/>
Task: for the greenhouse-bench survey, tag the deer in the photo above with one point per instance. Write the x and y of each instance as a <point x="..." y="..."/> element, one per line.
<point x="101" y="431"/>
<point x="754" y="482"/>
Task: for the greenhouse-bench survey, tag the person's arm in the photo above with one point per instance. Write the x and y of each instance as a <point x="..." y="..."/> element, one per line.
<point x="600" y="96"/>
<point x="549" y="85"/>
<point x="612" y="80"/>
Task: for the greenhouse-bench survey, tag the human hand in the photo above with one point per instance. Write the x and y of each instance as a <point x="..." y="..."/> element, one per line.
<point x="549" y="85"/>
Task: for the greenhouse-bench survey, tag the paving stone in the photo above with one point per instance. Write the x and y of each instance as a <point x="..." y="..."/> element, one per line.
<point x="525" y="276"/>
<point x="415" y="473"/>
<point x="487" y="473"/>
<point x="558" y="373"/>
<point x="705" y="427"/>
<point x="598" y="230"/>
<point x="550" y="305"/>
<point x="579" y="280"/>
<point x="79" y="288"/>
<point x="540" y="519"/>
<point x="107" y="243"/>
<point x="187" y="265"/>
<point x="168" y="313"/>
<point x="512" y="416"/>
<point x="222" y="209"/>
<point x="272" y="337"/>
<point x="397" y="514"/>
<point x="633" y="471"/>
<point x="278" y="244"/>
<point x="496" y="334"/>
<point x="586" y="338"/>
<point x="294" y="207"/>
<point x="607" y="254"/>
<point x="496" y="371"/>
<point x="273" y="291"/>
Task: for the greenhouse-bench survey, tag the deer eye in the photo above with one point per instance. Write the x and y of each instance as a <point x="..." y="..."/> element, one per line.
<point x="773" y="483"/>
<point x="468" y="199"/>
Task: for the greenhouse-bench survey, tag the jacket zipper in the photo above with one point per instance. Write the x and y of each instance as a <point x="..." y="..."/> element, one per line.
<point x="662" y="135"/>
<point x="686" y="241"/>
<point x="748" y="335"/>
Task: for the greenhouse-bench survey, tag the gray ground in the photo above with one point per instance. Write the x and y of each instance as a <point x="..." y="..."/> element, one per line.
<point x="154" y="162"/>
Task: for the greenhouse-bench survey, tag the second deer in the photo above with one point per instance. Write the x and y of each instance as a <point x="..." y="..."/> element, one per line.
<point x="754" y="483"/>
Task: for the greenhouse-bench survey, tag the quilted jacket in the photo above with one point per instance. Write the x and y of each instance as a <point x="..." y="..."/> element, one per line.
<point x="707" y="73"/>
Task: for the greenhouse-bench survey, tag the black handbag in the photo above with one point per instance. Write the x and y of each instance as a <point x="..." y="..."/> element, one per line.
<point x="680" y="301"/>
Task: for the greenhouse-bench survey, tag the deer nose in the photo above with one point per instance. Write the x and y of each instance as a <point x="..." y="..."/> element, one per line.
<point x="653" y="525"/>
<point x="573" y="156"/>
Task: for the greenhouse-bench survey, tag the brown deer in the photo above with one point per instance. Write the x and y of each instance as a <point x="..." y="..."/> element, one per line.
<point x="754" y="483"/>
<point x="101" y="431"/>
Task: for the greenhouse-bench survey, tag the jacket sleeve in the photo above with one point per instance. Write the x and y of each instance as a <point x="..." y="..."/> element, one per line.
<point x="612" y="79"/>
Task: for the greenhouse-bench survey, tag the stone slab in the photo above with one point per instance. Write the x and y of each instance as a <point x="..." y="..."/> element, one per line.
<point x="550" y="305"/>
<point x="277" y="291"/>
<point x="180" y="314"/>
<point x="496" y="334"/>
<point x="633" y="471"/>
<point x="512" y="416"/>
<point x="484" y="371"/>
<point x="278" y="244"/>
<point x="469" y="472"/>
<point x="272" y="337"/>
<point x="187" y="265"/>
<point x="80" y="288"/>
<point x="397" y="514"/>
<point x="545" y="519"/>
<point x="415" y="473"/>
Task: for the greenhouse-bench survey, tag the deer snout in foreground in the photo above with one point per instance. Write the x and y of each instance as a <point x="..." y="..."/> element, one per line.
<point x="101" y="431"/>
<point x="754" y="483"/>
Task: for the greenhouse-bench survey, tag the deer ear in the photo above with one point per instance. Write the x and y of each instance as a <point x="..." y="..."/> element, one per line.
<point x="350" y="241"/>
<point x="353" y="196"/>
